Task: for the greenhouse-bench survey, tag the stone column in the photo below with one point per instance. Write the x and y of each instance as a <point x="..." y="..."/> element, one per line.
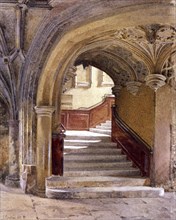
<point x="44" y="154"/>
<point x="13" y="178"/>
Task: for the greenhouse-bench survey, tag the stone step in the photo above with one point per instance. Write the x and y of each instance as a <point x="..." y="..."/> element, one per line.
<point x="97" y="169"/>
<point x="72" y="165"/>
<point x="105" y="192"/>
<point x="93" y="181"/>
<point x="97" y="138"/>
<point x="93" y="157"/>
<point x="86" y="150"/>
<point x="120" y="172"/>
<point x="83" y="133"/>
<point x="84" y="143"/>
<point x="101" y="131"/>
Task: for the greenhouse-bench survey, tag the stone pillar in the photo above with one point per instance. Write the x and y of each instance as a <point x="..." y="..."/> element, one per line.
<point x="44" y="138"/>
<point x="13" y="178"/>
<point x="160" y="170"/>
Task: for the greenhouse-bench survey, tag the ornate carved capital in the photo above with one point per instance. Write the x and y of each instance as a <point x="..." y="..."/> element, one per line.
<point x="155" y="81"/>
<point x="116" y="90"/>
<point x="44" y="110"/>
<point x="133" y="87"/>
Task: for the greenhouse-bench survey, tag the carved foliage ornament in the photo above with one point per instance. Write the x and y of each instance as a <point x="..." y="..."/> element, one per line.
<point x="133" y="87"/>
<point x="155" y="81"/>
<point x="149" y="34"/>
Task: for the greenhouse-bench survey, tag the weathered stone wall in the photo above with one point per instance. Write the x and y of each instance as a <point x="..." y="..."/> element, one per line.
<point x="34" y="17"/>
<point x="7" y="22"/>
<point x="18" y="25"/>
<point x="3" y="141"/>
<point x="138" y="112"/>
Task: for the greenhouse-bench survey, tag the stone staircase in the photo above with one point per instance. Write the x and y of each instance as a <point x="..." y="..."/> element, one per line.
<point x="95" y="168"/>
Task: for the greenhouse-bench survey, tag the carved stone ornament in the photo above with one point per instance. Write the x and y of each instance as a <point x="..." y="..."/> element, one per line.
<point x="148" y="34"/>
<point x="116" y="90"/>
<point x="69" y="79"/>
<point x="71" y="73"/>
<point x="133" y="87"/>
<point x="139" y="68"/>
<point x="155" y="81"/>
<point x="44" y="110"/>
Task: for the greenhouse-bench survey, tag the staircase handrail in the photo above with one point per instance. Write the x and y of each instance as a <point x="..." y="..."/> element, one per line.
<point x="129" y="130"/>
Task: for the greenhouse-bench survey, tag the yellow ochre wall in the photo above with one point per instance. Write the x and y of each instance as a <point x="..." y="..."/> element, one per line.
<point x="86" y="97"/>
<point x="138" y="112"/>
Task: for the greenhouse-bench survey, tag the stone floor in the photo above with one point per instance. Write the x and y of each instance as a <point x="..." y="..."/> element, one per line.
<point x="16" y="205"/>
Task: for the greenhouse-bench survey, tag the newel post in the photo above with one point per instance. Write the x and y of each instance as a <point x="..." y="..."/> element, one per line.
<point x="58" y="150"/>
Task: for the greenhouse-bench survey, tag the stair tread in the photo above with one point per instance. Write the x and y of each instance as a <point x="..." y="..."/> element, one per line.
<point x="95" y="168"/>
<point x="98" y="160"/>
<point x="106" y="163"/>
<point x="108" y="189"/>
<point x="93" y="181"/>
<point x="120" y="172"/>
<point x="112" y="170"/>
<point x="90" y="145"/>
<point x="94" y="178"/>
<point x="105" y="192"/>
<point x="102" y="151"/>
<point x="92" y="153"/>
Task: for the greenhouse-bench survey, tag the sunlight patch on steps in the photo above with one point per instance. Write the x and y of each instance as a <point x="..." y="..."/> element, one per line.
<point x="76" y="147"/>
<point x="82" y="141"/>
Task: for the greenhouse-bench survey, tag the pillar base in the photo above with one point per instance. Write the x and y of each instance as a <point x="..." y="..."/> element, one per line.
<point x="40" y="192"/>
<point x="12" y="181"/>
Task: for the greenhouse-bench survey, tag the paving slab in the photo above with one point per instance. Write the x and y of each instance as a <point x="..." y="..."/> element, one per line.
<point x="16" y="205"/>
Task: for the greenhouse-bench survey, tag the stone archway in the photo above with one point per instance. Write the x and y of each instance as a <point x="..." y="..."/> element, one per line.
<point x="63" y="37"/>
